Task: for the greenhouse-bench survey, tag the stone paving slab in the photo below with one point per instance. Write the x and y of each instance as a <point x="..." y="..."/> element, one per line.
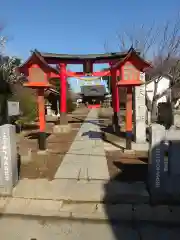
<point x="75" y="166"/>
<point x="15" y="206"/>
<point x="83" y="167"/>
<point x="66" y="189"/>
<point x="145" y="212"/>
<point x="90" y="211"/>
<point x="3" y="202"/>
<point x="32" y="207"/>
<point x="100" y="171"/>
<point x="81" y="190"/>
<point x="86" y="157"/>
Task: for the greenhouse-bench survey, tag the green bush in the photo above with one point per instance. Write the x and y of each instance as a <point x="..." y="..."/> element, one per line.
<point x="27" y="101"/>
<point x="28" y="107"/>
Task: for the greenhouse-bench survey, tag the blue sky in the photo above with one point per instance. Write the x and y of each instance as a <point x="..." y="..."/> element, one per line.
<point x="76" y="26"/>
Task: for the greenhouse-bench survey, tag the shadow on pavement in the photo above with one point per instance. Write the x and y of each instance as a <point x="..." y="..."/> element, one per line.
<point x="97" y="122"/>
<point x="132" y="172"/>
<point x="146" y="197"/>
<point x="19" y="164"/>
<point x="93" y="135"/>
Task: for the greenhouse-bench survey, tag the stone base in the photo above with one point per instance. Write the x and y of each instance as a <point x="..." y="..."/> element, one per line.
<point x="141" y="141"/>
<point x="6" y="191"/>
<point x="140" y="147"/>
<point x="42" y="152"/>
<point x="25" y="159"/>
<point x="63" y="119"/>
<point x="51" y="118"/>
<point x="129" y="151"/>
<point x="62" y="128"/>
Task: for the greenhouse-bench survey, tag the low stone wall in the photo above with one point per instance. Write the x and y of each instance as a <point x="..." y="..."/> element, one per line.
<point x="164" y="164"/>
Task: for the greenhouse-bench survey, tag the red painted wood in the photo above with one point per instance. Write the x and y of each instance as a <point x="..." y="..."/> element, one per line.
<point x="115" y="92"/>
<point x="37" y="85"/>
<point x="41" y="109"/>
<point x="81" y="74"/>
<point x="63" y="83"/>
<point x="129" y="110"/>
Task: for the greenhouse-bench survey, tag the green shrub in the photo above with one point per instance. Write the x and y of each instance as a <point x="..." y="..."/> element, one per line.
<point x="28" y="107"/>
<point x="27" y="101"/>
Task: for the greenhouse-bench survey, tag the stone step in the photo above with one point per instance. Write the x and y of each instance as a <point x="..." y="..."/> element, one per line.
<point x="89" y="211"/>
<point x="130" y="161"/>
<point x="82" y="191"/>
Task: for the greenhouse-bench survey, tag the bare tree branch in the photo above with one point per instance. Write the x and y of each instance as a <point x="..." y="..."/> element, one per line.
<point x="106" y="46"/>
<point x="161" y="44"/>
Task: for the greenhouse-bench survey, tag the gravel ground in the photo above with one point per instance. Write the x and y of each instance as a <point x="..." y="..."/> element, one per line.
<point x="45" y="166"/>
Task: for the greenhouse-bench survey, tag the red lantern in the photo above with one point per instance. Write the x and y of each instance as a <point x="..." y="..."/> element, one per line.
<point x="130" y="75"/>
<point x="130" y="67"/>
<point x="37" y="72"/>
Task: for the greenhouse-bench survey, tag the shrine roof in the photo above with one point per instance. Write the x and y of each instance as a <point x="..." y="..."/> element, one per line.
<point x="116" y="58"/>
<point x="82" y="57"/>
<point x="133" y="54"/>
<point x="36" y="58"/>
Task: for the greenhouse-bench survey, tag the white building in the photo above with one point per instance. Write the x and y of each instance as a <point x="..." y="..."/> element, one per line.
<point x="163" y="84"/>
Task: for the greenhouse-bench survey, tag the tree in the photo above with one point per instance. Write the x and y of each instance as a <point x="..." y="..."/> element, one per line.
<point x="11" y="87"/>
<point x="8" y="76"/>
<point x="161" y="45"/>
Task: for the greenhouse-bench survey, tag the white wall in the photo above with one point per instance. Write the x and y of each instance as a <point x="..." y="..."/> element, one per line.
<point x="163" y="85"/>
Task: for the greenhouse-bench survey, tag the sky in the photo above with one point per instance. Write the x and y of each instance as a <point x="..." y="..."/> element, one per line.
<point x="76" y="26"/>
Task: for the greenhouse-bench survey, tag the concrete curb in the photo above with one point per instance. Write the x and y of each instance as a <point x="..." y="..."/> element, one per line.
<point x="31" y="208"/>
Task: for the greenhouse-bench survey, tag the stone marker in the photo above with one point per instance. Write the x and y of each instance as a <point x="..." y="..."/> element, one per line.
<point x="140" y="112"/>
<point x="164" y="165"/>
<point x="156" y="160"/>
<point x="173" y="136"/>
<point x="177" y="118"/>
<point x="8" y="159"/>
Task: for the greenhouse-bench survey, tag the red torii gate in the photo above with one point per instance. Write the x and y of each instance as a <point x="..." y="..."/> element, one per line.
<point x="38" y="70"/>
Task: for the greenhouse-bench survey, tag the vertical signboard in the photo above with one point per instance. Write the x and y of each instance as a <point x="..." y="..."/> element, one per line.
<point x="8" y="159"/>
<point x="140" y="111"/>
<point x="13" y="108"/>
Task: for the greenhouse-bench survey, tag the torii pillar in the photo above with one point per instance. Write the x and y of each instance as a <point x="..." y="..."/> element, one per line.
<point x="63" y="126"/>
<point x="115" y="99"/>
<point x="63" y="94"/>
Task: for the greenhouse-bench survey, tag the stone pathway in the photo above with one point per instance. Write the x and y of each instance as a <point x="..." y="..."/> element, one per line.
<point x="86" y="157"/>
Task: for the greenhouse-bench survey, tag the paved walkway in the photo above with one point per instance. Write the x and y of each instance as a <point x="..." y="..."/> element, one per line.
<point x="86" y="157"/>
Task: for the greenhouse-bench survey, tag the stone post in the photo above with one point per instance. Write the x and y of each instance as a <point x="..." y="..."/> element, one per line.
<point x="63" y="94"/>
<point x="177" y="118"/>
<point x="164" y="165"/>
<point x="156" y="174"/>
<point x="48" y="109"/>
<point x="140" y="112"/>
<point x="8" y="159"/>
<point x="58" y="111"/>
<point x="115" y="101"/>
